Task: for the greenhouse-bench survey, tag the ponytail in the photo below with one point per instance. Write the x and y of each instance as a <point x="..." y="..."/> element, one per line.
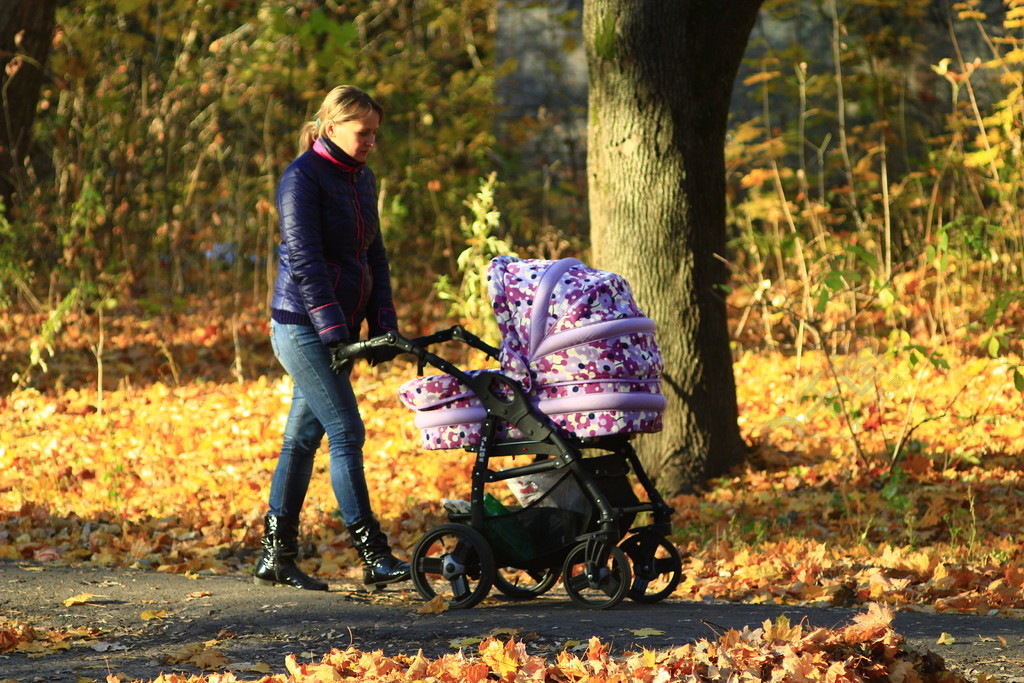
<point x="308" y="134"/>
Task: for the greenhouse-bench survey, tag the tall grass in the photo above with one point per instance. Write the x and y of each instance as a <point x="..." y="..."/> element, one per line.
<point x="877" y="195"/>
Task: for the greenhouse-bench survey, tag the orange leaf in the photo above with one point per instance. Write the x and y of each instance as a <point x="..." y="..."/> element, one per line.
<point x="597" y="651"/>
<point x="297" y="670"/>
<point x="435" y="605"/>
<point x="472" y="673"/>
<point x="209" y="659"/>
<point x="502" y="658"/>
<point x="870" y="624"/>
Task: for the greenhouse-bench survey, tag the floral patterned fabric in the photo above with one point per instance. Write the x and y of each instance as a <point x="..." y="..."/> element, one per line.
<point x="576" y="341"/>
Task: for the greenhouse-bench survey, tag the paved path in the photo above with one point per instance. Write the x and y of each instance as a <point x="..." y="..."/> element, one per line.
<point x="255" y="625"/>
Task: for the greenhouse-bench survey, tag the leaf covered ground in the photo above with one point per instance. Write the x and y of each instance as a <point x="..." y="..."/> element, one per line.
<point x="874" y="482"/>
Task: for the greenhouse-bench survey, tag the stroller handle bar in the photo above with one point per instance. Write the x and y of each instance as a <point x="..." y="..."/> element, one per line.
<point x="418" y="346"/>
<point x="460" y="334"/>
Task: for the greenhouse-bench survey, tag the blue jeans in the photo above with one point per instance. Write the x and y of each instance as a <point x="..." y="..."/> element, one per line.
<point x="322" y="402"/>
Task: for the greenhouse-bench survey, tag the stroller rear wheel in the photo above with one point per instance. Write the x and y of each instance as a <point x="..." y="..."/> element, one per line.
<point x="657" y="567"/>
<point x="596" y="574"/>
<point x="455" y="562"/>
<point x="525" y="584"/>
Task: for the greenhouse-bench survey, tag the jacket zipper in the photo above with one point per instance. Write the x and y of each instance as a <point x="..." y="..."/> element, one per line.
<point x="360" y="233"/>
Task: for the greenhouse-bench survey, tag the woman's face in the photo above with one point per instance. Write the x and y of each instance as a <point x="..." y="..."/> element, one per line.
<point x="355" y="137"/>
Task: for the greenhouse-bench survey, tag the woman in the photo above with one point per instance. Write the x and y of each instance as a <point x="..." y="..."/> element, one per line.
<point x="333" y="275"/>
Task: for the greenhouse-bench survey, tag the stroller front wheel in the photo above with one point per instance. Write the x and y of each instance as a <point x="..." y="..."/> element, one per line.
<point x="657" y="566"/>
<point x="455" y="562"/>
<point x="596" y="575"/>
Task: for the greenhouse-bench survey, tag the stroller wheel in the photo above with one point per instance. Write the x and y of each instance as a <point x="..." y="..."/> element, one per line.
<point x="455" y="562"/>
<point x="596" y="575"/>
<point x="525" y="584"/>
<point x="657" y="567"/>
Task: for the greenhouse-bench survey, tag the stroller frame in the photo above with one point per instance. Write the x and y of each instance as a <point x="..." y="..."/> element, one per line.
<point x="604" y="564"/>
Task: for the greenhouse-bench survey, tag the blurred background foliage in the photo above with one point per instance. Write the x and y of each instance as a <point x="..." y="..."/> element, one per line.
<point x="165" y="125"/>
<point x="874" y="159"/>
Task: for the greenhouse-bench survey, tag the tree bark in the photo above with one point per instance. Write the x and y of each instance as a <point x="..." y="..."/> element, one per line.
<point x="26" y="32"/>
<point x="661" y="79"/>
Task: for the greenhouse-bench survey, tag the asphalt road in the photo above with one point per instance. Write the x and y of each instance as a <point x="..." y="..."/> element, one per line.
<point x="145" y="617"/>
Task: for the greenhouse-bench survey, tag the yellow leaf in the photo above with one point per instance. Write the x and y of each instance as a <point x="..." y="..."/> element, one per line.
<point x="259" y="668"/>
<point x="465" y="642"/>
<point x="504" y="659"/>
<point x="646" y="632"/>
<point x="1014" y="56"/>
<point x="325" y="673"/>
<point x="945" y="639"/>
<point x="80" y="599"/>
<point x="782" y="630"/>
<point x="982" y="157"/>
<point x="37" y="648"/>
<point x="153" y="614"/>
<point x="745" y="132"/>
<point x="182" y="653"/>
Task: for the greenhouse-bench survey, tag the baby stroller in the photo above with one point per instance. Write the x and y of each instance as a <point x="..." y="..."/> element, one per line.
<point x="580" y="374"/>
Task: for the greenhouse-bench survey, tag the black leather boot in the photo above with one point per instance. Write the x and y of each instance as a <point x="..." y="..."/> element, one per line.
<point x="280" y="548"/>
<point x="379" y="565"/>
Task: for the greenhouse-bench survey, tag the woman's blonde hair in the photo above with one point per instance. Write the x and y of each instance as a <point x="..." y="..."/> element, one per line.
<point x="344" y="103"/>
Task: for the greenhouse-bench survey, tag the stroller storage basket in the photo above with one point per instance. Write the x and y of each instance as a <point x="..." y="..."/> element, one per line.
<point x="533" y="537"/>
<point x="543" y="531"/>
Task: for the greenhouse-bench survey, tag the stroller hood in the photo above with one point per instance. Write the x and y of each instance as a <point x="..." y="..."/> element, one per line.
<point x="575" y="340"/>
<point x="564" y="322"/>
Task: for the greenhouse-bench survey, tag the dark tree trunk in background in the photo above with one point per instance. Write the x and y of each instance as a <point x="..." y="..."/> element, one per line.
<point x="26" y="32"/>
<point x="661" y="78"/>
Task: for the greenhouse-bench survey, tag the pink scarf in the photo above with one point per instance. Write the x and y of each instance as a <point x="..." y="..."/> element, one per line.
<point x="320" y="148"/>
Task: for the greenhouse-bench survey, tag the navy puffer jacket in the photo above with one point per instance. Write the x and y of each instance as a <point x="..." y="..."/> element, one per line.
<point x="333" y="271"/>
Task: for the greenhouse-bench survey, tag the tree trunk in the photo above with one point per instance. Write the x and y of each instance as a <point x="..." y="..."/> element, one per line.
<point x="661" y="78"/>
<point x="26" y="31"/>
